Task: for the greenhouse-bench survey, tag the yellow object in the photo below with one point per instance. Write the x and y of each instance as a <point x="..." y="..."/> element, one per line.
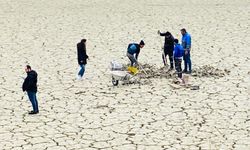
<point x="133" y="70"/>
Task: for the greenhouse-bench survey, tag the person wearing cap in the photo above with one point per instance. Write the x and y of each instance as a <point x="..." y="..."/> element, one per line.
<point x="168" y="48"/>
<point x="178" y="54"/>
<point x="82" y="57"/>
<point x="186" y="44"/>
<point x="133" y="52"/>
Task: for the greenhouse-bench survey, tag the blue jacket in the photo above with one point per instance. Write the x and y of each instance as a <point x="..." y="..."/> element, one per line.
<point x="186" y="41"/>
<point x="178" y="51"/>
<point x="134" y="48"/>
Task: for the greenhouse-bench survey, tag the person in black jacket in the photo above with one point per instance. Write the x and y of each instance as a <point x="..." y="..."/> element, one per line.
<point x="82" y="57"/>
<point x="168" y="47"/>
<point x="30" y="85"/>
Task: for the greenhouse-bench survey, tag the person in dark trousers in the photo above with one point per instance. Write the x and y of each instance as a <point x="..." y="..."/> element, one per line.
<point x="168" y="48"/>
<point x="186" y="44"/>
<point x="178" y="54"/>
<point x="133" y="52"/>
<point x="82" y="57"/>
<point x="30" y="86"/>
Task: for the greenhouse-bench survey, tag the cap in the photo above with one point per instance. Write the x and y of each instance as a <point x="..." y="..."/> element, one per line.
<point x="142" y="42"/>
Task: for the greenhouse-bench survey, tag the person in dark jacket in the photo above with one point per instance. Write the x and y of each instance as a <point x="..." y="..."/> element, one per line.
<point x="30" y="86"/>
<point x="178" y="54"/>
<point x="168" y="48"/>
<point x="133" y="52"/>
<point x="82" y="57"/>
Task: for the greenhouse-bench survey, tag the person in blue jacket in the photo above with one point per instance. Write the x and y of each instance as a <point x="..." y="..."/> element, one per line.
<point x="133" y="52"/>
<point x="178" y="54"/>
<point x="186" y="44"/>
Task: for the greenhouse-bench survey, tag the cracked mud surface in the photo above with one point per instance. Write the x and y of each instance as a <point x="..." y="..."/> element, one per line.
<point x="92" y="114"/>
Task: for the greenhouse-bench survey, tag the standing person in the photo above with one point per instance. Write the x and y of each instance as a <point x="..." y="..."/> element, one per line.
<point x="186" y="44"/>
<point x="178" y="54"/>
<point x="82" y="57"/>
<point x="168" y="47"/>
<point x="30" y="85"/>
<point x="133" y="52"/>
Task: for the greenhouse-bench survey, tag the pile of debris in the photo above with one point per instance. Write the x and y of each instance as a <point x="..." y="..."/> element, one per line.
<point x="209" y="71"/>
<point x="148" y="71"/>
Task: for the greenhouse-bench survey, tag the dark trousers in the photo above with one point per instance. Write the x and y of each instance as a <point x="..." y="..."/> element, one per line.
<point x="33" y="100"/>
<point x="132" y="59"/>
<point x="178" y="67"/>
<point x="169" y="52"/>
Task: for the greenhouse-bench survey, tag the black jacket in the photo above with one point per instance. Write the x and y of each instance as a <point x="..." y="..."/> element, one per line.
<point x="81" y="54"/>
<point x="30" y="82"/>
<point x="169" y="40"/>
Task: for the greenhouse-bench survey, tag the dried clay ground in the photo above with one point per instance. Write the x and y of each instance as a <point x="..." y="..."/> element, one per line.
<point x="93" y="114"/>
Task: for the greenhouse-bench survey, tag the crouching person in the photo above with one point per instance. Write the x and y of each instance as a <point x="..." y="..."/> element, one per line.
<point x="133" y="52"/>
